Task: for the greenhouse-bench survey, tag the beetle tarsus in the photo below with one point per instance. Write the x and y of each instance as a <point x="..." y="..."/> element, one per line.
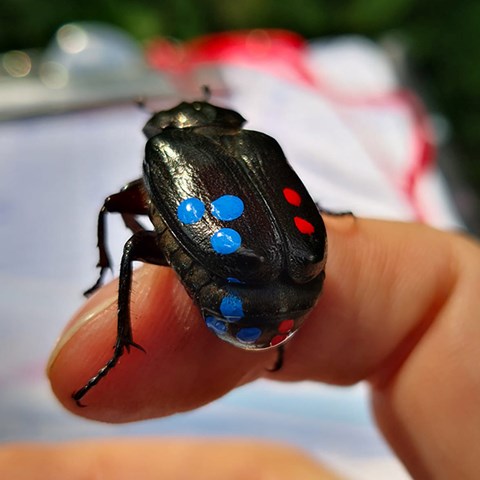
<point x="279" y="360"/>
<point x="98" y="283"/>
<point x="79" y="394"/>
<point x="119" y="349"/>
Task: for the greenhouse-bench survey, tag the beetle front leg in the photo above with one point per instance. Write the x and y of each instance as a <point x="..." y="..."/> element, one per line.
<point x="141" y="246"/>
<point x="129" y="202"/>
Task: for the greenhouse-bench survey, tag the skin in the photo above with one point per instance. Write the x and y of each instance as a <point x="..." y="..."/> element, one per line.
<point x="154" y="459"/>
<point x="400" y="309"/>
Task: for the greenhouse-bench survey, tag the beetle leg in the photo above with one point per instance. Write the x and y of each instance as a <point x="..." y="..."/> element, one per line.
<point x="129" y="202"/>
<point x="279" y="360"/>
<point x="141" y="246"/>
<point x="332" y="213"/>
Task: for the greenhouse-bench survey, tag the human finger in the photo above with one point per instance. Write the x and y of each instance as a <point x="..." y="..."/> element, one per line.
<point x="151" y="459"/>
<point x="379" y="283"/>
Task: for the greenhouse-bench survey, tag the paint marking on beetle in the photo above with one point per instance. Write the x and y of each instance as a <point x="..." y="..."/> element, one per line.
<point x="304" y="226"/>
<point x="231" y="307"/>
<point x="248" y="334"/>
<point x="191" y="210"/>
<point x="292" y="197"/>
<point x="227" y="208"/>
<point x="226" y="241"/>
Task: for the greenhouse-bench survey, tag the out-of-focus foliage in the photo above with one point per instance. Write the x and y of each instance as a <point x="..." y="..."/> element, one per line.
<point x="442" y="36"/>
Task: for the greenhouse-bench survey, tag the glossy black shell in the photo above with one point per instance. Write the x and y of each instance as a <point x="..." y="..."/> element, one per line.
<point x="200" y="151"/>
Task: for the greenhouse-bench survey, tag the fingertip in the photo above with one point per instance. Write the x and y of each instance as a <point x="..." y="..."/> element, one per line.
<point x="184" y="366"/>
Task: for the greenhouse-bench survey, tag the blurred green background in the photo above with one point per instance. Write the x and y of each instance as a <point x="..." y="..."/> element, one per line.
<point x="441" y="37"/>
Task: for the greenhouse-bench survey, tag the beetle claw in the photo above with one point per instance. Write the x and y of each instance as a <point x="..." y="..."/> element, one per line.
<point x="131" y="343"/>
<point x="78" y="402"/>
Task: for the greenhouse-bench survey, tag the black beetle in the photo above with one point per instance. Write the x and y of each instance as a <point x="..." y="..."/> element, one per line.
<point x="233" y="220"/>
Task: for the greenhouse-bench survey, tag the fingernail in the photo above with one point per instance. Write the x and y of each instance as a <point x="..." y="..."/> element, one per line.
<point x="75" y="325"/>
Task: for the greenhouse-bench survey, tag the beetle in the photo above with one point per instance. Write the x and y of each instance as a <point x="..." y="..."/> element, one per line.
<point x="233" y="220"/>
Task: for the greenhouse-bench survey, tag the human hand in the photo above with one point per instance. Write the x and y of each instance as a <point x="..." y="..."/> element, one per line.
<point x="400" y="309"/>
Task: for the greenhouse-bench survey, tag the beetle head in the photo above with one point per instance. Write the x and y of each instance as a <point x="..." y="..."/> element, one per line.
<point x="196" y="114"/>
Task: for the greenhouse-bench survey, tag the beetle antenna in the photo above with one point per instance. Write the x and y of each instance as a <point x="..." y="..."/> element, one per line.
<point x="207" y="93"/>
<point x="142" y="104"/>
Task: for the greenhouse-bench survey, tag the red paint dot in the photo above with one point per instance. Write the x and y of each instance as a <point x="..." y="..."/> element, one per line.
<point x="286" y="326"/>
<point x="277" y="339"/>
<point x="304" y="226"/>
<point x="292" y="197"/>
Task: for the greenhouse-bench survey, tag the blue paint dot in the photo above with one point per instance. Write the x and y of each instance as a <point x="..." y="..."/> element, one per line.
<point x="227" y="207"/>
<point x="248" y="334"/>
<point x="231" y="308"/>
<point x="226" y="240"/>
<point x="216" y="325"/>
<point x="190" y="210"/>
